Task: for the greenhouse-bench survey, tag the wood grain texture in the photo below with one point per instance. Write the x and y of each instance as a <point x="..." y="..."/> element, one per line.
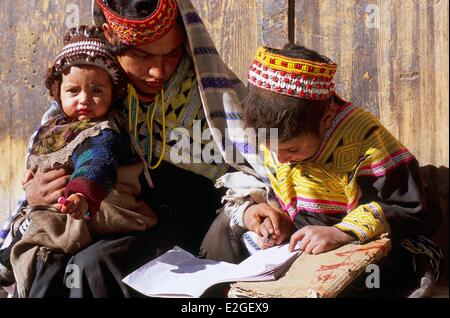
<point x="398" y="69"/>
<point x="317" y="276"/>
<point x="238" y="27"/>
<point x="233" y="26"/>
<point x="275" y="22"/>
<point x="338" y="30"/>
<point x="32" y="35"/>
<point x="413" y="63"/>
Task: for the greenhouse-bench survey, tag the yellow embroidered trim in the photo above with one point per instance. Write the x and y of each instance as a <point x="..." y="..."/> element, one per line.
<point x="366" y="222"/>
<point x="279" y="62"/>
<point x="185" y="119"/>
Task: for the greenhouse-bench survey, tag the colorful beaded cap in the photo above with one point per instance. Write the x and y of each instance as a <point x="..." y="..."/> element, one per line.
<point x="290" y="76"/>
<point x="141" y="31"/>
<point x="85" y="45"/>
<point x="88" y="51"/>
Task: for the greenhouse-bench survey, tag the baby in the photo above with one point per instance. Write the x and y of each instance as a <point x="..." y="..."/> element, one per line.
<point x="87" y="140"/>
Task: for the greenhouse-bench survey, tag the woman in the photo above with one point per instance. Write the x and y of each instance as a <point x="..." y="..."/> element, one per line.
<point x="164" y="48"/>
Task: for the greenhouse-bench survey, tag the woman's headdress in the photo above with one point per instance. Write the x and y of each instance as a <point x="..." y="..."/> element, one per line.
<point x="135" y="32"/>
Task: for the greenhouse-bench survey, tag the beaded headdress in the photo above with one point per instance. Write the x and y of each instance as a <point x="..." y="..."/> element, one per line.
<point x="135" y="32"/>
<point x="292" y="76"/>
<point x="85" y="45"/>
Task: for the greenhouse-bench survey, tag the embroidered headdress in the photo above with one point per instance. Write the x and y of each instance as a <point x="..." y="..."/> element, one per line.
<point x="292" y="76"/>
<point x="135" y="32"/>
<point x="85" y="45"/>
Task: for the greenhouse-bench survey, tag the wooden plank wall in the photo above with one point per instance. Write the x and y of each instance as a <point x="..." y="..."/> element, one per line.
<point x="392" y="59"/>
<point x="392" y="55"/>
<point x="398" y="69"/>
<point x="32" y="34"/>
<point x="224" y="20"/>
<point x="237" y="27"/>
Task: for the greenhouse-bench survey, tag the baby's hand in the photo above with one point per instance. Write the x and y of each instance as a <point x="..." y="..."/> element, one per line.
<point x="317" y="239"/>
<point x="76" y="205"/>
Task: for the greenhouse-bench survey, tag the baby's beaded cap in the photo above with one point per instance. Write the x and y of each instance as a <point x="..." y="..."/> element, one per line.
<point x="86" y="45"/>
<point x="295" y="77"/>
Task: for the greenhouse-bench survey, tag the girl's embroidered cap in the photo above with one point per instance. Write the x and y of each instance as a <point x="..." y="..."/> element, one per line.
<point x="135" y="32"/>
<point x="291" y="76"/>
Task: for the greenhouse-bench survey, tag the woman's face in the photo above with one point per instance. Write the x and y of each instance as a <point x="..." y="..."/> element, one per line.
<point x="149" y="66"/>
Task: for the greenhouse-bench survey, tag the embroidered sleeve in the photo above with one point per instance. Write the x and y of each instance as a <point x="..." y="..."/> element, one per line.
<point x="365" y="222"/>
<point x="391" y="196"/>
<point x="96" y="161"/>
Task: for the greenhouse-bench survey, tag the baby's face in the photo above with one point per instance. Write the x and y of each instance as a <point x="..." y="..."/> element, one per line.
<point x="86" y="92"/>
<point x="297" y="149"/>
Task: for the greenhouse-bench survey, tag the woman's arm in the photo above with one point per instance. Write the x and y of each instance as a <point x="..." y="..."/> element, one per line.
<point x="44" y="187"/>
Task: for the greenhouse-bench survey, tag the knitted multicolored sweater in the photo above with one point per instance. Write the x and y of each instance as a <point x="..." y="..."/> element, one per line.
<point x="91" y="150"/>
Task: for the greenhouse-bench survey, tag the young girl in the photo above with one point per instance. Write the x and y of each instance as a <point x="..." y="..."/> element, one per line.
<point x="86" y="139"/>
<point x="336" y="171"/>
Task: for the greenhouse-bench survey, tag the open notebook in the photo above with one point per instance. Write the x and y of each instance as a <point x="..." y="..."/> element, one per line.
<point x="178" y="273"/>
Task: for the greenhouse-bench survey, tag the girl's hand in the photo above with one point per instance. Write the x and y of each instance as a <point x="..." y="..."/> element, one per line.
<point x="272" y="226"/>
<point x="319" y="239"/>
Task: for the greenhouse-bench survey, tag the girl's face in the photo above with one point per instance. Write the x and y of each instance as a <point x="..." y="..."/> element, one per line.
<point x="86" y="92"/>
<point x="299" y="148"/>
<point x="306" y="145"/>
<point x="148" y="66"/>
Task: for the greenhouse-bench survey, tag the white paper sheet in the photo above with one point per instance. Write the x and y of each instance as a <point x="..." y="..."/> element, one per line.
<point x="178" y="273"/>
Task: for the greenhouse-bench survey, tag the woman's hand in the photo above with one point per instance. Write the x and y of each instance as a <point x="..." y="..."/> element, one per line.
<point x="319" y="239"/>
<point x="273" y="226"/>
<point x="45" y="187"/>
